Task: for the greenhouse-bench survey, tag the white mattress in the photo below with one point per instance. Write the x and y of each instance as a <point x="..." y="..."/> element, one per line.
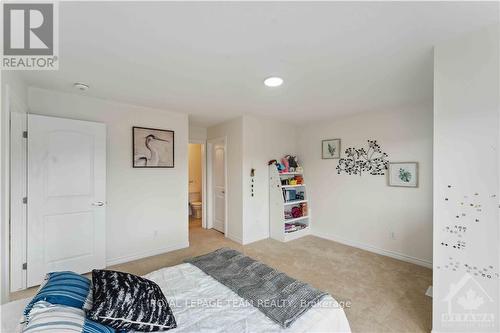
<point x="201" y="304"/>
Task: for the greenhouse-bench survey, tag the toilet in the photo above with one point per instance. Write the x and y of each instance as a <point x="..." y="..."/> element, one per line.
<point x="195" y="202"/>
<point x="196" y="209"/>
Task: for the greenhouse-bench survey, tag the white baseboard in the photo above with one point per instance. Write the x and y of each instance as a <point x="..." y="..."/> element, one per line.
<point x="377" y="250"/>
<point x="137" y="256"/>
<point x="255" y="239"/>
<point x="234" y="238"/>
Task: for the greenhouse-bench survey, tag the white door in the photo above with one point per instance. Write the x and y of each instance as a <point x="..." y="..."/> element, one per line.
<point x="219" y="186"/>
<point x="18" y="213"/>
<point x="66" y="196"/>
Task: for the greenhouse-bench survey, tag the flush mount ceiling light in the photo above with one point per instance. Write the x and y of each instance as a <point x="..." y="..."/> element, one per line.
<point x="81" y="86"/>
<point x="273" y="81"/>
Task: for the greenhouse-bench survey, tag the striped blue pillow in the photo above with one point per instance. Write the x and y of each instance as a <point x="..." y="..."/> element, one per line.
<point x="46" y="317"/>
<point x="64" y="288"/>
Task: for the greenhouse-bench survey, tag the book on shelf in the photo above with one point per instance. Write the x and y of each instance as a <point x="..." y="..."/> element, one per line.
<point x="291" y="227"/>
<point x="289" y="195"/>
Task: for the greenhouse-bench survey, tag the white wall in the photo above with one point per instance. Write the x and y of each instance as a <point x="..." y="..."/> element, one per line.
<point x="144" y="212"/>
<point x="233" y="132"/>
<point x="197" y="133"/>
<point x="466" y="143"/>
<point x="264" y="139"/>
<point x="251" y="142"/>
<point x="12" y="81"/>
<point x="364" y="211"/>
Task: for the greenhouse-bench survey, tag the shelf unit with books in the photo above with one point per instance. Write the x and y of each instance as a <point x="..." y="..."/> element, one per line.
<point x="289" y="214"/>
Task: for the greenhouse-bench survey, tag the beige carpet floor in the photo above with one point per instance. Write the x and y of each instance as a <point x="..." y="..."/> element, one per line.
<point x="384" y="294"/>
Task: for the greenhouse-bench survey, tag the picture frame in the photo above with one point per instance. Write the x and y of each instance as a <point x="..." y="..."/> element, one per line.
<point x="330" y="149"/>
<point x="403" y="174"/>
<point x="153" y="148"/>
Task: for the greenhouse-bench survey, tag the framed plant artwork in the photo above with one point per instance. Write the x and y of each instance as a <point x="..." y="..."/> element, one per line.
<point x="403" y="174"/>
<point x="152" y="148"/>
<point x="330" y="149"/>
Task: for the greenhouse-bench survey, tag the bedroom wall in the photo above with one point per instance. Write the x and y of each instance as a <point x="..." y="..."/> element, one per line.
<point x="264" y="139"/>
<point x="232" y="130"/>
<point x="144" y="214"/>
<point x="251" y="142"/>
<point x="12" y="81"/>
<point x="363" y="211"/>
<point x="466" y="169"/>
<point x="197" y="133"/>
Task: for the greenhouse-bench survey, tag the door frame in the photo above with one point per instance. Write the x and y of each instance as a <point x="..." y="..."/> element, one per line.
<point x="14" y="155"/>
<point x="18" y="191"/>
<point x="210" y="200"/>
<point x="203" y="144"/>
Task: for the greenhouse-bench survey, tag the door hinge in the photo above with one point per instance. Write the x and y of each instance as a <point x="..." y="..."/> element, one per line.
<point x="25" y="134"/>
<point x="25" y="200"/>
<point x="25" y="266"/>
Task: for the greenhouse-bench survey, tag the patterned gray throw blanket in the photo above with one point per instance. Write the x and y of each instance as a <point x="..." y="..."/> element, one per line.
<point x="280" y="297"/>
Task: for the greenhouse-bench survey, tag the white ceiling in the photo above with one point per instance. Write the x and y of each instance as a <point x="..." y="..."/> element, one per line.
<point x="209" y="59"/>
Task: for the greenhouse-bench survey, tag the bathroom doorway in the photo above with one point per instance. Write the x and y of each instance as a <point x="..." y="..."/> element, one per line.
<point x="196" y="156"/>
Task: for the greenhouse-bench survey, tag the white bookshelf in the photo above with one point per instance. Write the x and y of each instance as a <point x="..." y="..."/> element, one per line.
<point x="291" y="186"/>
<point x="278" y="205"/>
<point x="294" y="202"/>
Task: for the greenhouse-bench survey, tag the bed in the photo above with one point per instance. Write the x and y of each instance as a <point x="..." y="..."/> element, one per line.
<point x="201" y="304"/>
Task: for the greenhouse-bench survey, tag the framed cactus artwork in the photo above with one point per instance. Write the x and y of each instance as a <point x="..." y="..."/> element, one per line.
<point x="330" y="149"/>
<point x="403" y="174"/>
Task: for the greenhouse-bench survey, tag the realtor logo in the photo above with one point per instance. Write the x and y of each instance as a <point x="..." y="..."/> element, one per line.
<point x="29" y="36"/>
<point x="28" y="29"/>
<point x="468" y="304"/>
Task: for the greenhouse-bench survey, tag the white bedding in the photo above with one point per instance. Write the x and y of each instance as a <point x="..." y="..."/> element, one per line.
<point x="201" y="304"/>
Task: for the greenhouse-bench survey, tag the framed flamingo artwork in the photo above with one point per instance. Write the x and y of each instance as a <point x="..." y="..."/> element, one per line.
<point x="152" y="148"/>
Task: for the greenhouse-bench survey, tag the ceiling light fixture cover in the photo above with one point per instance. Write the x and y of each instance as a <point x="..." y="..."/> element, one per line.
<point x="81" y="86"/>
<point x="273" y="81"/>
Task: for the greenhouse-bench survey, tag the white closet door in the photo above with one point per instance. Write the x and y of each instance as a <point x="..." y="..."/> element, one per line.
<point x="66" y="196"/>
<point x="219" y="187"/>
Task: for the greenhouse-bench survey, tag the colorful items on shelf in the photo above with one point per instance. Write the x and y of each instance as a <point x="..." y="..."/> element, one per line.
<point x="296" y="180"/>
<point x="289" y="195"/>
<point x="304" y="209"/>
<point x="292" y="195"/>
<point x="291" y="227"/>
<point x="288" y="164"/>
<point x="292" y="163"/>
<point x="289" y="216"/>
<point x="296" y="211"/>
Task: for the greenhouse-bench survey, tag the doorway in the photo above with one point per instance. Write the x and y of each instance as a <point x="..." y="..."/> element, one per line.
<point x="217" y="185"/>
<point x="196" y="156"/>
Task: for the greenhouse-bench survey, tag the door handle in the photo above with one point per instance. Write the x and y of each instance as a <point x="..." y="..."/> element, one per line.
<point x="98" y="203"/>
